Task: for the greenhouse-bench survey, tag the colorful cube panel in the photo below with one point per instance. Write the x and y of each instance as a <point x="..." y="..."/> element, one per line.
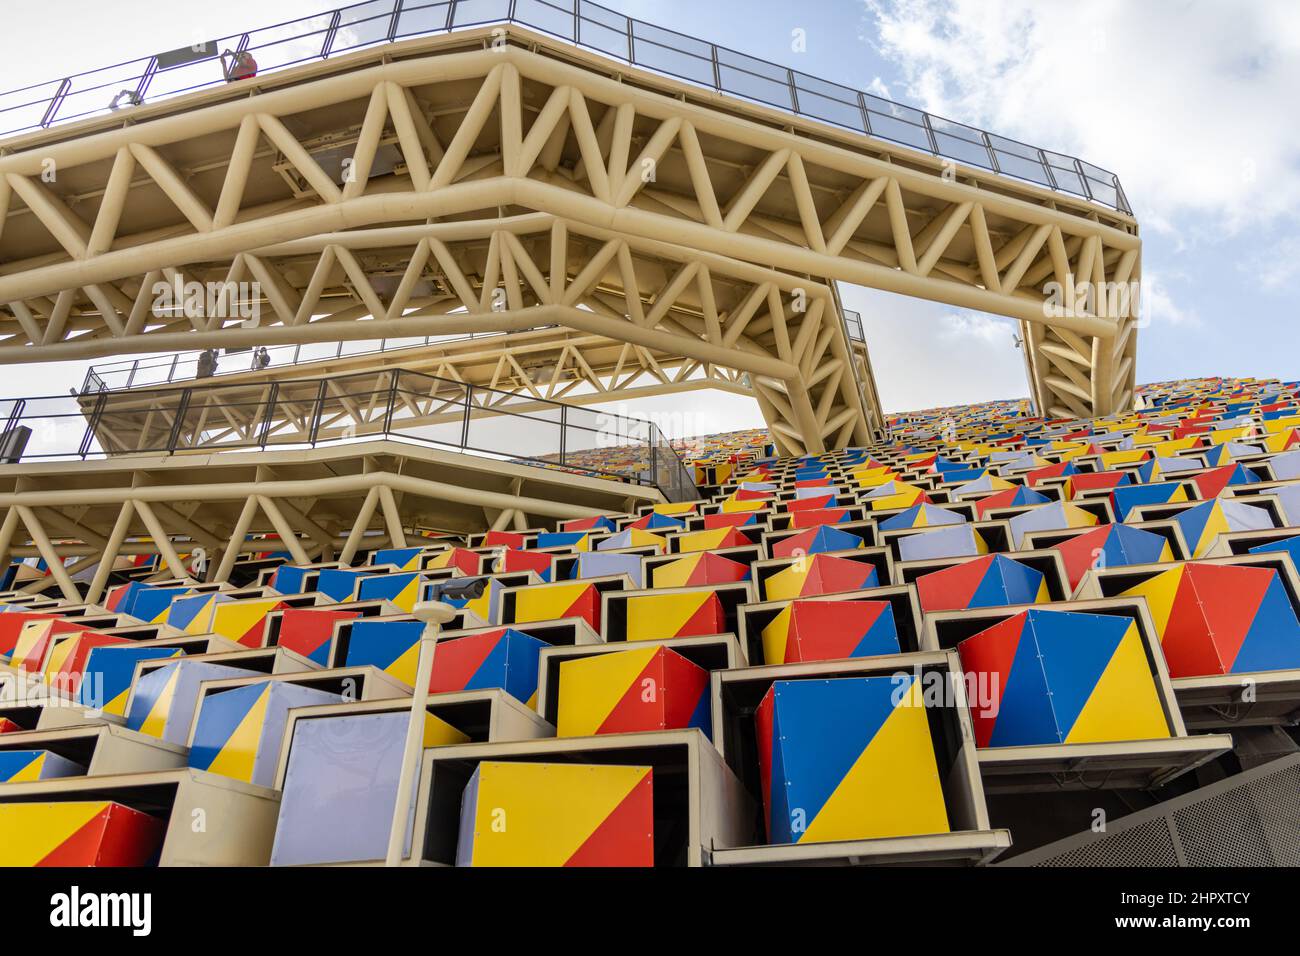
<point x="66" y="662"/>
<point x="402" y="590"/>
<point x="244" y="622"/>
<point x="816" y="541"/>
<point x="106" y="681"/>
<point x="506" y="658"/>
<point x="552" y="601"/>
<point x="848" y="759"/>
<point x="309" y="631"/>
<point x="955" y="541"/>
<point x="674" y="614"/>
<point x="1112" y="545"/>
<point x="17" y="766"/>
<point x="1222" y="619"/>
<point x="650" y="688"/>
<point x="192" y="614"/>
<point x="595" y="564"/>
<point x="35" y="639"/>
<point x="78" y="833"/>
<point x="162" y="703"/>
<point x="541" y="814"/>
<point x="820" y="574"/>
<point x="703" y="568"/>
<point x="830" y="630"/>
<point x="991" y="581"/>
<point x="1049" y="677"/>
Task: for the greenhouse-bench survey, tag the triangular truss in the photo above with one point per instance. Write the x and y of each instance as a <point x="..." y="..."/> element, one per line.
<point x="499" y="189"/>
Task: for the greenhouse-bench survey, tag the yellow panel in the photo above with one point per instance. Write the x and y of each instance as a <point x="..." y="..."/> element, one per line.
<point x="155" y="724"/>
<point x="439" y="733"/>
<point x="239" y="753"/>
<point x="1160" y="592"/>
<point x="32" y="831"/>
<point x="693" y="541"/>
<point x="590" y="687"/>
<point x="31" y="772"/>
<point x="1124" y="704"/>
<point x="59" y="656"/>
<point x="536" y="814"/>
<point x="234" y="620"/>
<point x="542" y="603"/>
<point x="776" y="636"/>
<point x="654" y="616"/>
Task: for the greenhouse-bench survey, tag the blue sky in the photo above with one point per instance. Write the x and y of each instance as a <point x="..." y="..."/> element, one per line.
<point x="1192" y="103"/>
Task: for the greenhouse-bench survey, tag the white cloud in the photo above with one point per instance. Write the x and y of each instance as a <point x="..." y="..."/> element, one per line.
<point x="1191" y="103"/>
<point x="1157" y="306"/>
<point x="956" y="326"/>
<point x="1277" y="267"/>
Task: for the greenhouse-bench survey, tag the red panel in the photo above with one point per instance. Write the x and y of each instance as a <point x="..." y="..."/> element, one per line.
<point x="709" y="619"/>
<point x="952" y="588"/>
<point x="715" y="569"/>
<point x="458" y="659"/>
<point x="539" y="561"/>
<point x="586" y="607"/>
<point x="1080" y="553"/>
<point x="304" y="630"/>
<point x="991" y="651"/>
<point x="1211" y="483"/>
<point x="830" y="575"/>
<point x="12" y="623"/>
<point x="508" y="538"/>
<point x="728" y="520"/>
<point x="1000" y="499"/>
<point x="684" y="683"/>
<point x="829" y="630"/>
<point x="626" y="836"/>
<point x="763" y="718"/>
<point x="819" y="503"/>
<point x="118" y="836"/>
<point x="818" y="517"/>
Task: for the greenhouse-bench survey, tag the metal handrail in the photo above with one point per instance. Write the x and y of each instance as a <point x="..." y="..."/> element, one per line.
<point x="192" y="417"/>
<point x="584" y="24"/>
<point x="182" y="366"/>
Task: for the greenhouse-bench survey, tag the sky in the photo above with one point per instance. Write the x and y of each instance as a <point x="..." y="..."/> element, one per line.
<point x="1191" y="103"/>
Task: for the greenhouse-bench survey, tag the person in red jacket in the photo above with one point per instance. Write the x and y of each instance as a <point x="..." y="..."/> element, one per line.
<point x="242" y="66"/>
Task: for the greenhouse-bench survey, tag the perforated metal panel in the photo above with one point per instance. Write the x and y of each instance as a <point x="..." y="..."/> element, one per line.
<point x="1251" y="819"/>
<point x="1146" y="845"/>
<point x="1254" y="824"/>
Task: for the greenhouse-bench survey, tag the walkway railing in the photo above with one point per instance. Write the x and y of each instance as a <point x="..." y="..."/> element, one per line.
<point x="398" y="404"/>
<point x="580" y="22"/>
<point x="184" y="366"/>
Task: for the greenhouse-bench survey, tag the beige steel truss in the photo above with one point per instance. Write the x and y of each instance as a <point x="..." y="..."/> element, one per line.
<point x="463" y="183"/>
